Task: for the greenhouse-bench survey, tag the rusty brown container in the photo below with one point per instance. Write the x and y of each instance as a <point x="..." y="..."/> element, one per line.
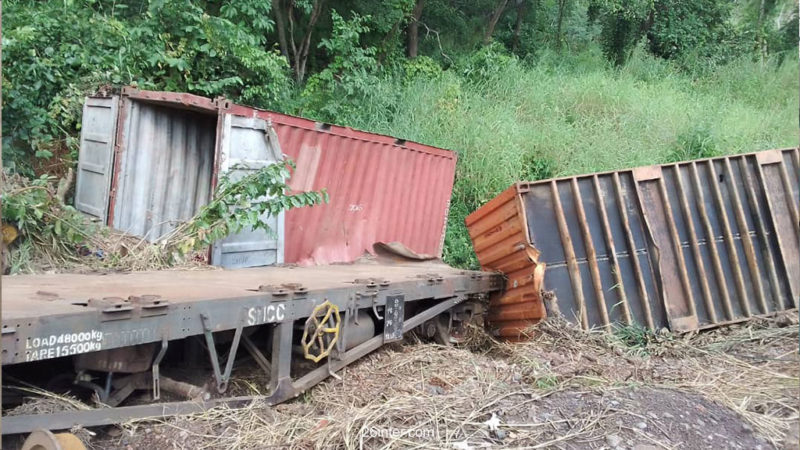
<point x="499" y="234"/>
<point x="382" y="189"/>
<point x="681" y="246"/>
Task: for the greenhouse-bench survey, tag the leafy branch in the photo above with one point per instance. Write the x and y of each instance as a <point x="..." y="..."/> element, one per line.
<point x="238" y="204"/>
<point x="34" y="208"/>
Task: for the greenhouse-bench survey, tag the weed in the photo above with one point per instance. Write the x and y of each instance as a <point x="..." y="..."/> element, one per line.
<point x="696" y="143"/>
<point x="546" y="382"/>
<point x="635" y="338"/>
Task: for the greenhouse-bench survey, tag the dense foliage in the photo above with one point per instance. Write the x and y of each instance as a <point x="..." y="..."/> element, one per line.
<point x="37" y="213"/>
<point x="50" y="63"/>
<point x="521" y="88"/>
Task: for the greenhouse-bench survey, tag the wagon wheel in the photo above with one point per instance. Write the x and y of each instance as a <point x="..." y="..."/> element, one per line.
<point x="321" y="331"/>
<point x="45" y="440"/>
<point x="447" y="329"/>
<point x="446" y="333"/>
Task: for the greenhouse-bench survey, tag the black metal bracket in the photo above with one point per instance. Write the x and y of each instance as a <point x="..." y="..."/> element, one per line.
<point x="220" y="377"/>
<point x="156" y="374"/>
<point x="259" y="357"/>
<point x="281" y="385"/>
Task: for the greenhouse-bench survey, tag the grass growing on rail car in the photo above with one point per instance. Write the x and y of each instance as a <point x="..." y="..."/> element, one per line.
<point x="571" y="114"/>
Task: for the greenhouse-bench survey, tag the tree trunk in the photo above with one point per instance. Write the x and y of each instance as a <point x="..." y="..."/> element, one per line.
<point x="760" y="32"/>
<point x="280" y="24"/>
<point x="413" y="29"/>
<point x="498" y="12"/>
<point x="518" y="25"/>
<point x="300" y="53"/>
<point x="562" y="5"/>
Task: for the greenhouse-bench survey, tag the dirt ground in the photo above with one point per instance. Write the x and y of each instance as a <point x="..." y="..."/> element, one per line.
<point x="736" y="387"/>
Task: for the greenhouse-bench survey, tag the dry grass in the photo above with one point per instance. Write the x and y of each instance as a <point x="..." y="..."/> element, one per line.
<point x="444" y="397"/>
<point x="80" y="245"/>
<point x="120" y="252"/>
<point x="752" y="368"/>
<point x="551" y="391"/>
<point x="44" y="402"/>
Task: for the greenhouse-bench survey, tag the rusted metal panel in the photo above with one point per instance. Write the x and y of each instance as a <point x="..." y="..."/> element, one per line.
<point x="381" y="189"/>
<point x="499" y="235"/>
<point x="50" y="316"/>
<point x="179" y="100"/>
<point x="681" y="246"/>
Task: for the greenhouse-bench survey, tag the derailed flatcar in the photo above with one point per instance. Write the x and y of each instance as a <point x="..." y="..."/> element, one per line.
<point x="112" y="335"/>
<point x="149" y="160"/>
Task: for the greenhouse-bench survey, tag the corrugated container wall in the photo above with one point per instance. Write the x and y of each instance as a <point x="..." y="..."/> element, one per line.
<point x="684" y="246"/>
<point x="176" y="151"/>
<point x="169" y="149"/>
<point x="499" y="234"/>
<point x="381" y="189"/>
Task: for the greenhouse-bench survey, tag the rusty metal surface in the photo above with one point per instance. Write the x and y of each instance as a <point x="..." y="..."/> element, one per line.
<point x="120" y="310"/>
<point x="282" y="386"/>
<point x="180" y="100"/>
<point x="680" y="246"/>
<point x="499" y="236"/>
<point x="382" y="189"/>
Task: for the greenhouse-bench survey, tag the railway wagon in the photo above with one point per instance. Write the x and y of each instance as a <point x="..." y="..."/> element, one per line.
<point x="178" y="334"/>
<point x="153" y="344"/>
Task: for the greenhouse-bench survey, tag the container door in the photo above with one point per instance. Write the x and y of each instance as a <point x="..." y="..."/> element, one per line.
<point x="96" y="157"/>
<point x="248" y="144"/>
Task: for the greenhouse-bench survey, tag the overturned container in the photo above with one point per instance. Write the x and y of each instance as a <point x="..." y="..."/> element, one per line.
<point x="681" y="246"/>
<point x="149" y="160"/>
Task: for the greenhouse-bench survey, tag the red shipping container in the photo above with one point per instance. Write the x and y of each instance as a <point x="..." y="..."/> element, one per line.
<point x="381" y="189"/>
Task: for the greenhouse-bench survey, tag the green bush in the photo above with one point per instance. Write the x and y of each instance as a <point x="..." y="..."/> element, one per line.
<point x="55" y="53"/>
<point x="421" y="68"/>
<point x="484" y="65"/>
<point x="695" y="143"/>
<point x="46" y="227"/>
<point x="352" y="73"/>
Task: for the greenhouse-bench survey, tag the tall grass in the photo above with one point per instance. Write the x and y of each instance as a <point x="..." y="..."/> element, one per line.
<point x="564" y="116"/>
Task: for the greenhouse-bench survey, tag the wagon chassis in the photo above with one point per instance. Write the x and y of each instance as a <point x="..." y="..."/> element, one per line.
<point x="155" y="321"/>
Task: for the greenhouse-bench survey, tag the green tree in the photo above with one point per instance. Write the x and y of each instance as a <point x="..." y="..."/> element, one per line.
<point x="351" y="73"/>
<point x="176" y="45"/>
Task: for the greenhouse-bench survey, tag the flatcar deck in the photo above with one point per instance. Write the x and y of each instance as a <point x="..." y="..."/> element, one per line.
<point x="51" y="316"/>
<point x="35" y="296"/>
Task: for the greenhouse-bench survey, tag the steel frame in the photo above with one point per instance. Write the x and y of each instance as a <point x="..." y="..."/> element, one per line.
<point x="139" y="320"/>
<point x="123" y="323"/>
<point x="282" y="386"/>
